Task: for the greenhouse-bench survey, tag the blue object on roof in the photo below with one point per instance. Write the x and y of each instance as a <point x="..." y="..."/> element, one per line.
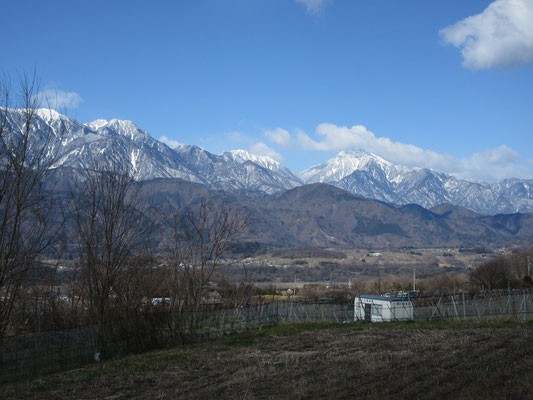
<point x="383" y="298"/>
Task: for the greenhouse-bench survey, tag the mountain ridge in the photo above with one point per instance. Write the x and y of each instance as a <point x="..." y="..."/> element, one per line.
<point x="78" y="145"/>
<point x="320" y="214"/>
<point x="371" y="176"/>
<point x="357" y="171"/>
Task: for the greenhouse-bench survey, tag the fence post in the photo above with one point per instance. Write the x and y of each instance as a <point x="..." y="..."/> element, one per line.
<point x="436" y="309"/>
<point x="455" y="313"/>
<point x="524" y="312"/>
<point x="464" y="307"/>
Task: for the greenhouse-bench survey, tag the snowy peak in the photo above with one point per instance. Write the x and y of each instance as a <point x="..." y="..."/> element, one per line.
<point x="118" y="127"/>
<point x="48" y="114"/>
<point x="124" y="142"/>
<point x="369" y="175"/>
<point x="96" y="124"/>
<point x="243" y="156"/>
<point x="44" y="122"/>
<point x="344" y="164"/>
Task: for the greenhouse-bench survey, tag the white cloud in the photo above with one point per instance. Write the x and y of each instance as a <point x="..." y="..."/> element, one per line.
<point x="239" y="138"/>
<point x="500" y="36"/>
<point x="313" y="6"/>
<point x="344" y="138"/>
<point x="279" y="136"/>
<point x="261" y="149"/>
<point x="169" y="142"/>
<point x="494" y="164"/>
<point x="58" y="99"/>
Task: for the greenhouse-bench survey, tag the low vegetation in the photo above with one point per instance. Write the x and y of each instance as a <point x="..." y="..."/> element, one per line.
<point x="393" y="360"/>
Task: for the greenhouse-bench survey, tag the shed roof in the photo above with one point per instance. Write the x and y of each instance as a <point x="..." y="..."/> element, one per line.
<point x="383" y="298"/>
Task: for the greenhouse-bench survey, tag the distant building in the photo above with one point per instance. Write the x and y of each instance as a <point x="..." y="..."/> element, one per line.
<point x="381" y="309"/>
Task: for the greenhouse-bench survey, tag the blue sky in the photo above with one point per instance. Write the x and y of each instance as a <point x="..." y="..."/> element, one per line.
<point x="441" y="84"/>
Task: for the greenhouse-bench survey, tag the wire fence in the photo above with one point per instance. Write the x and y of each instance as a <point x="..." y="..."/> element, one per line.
<point x="496" y="305"/>
<point x="45" y="352"/>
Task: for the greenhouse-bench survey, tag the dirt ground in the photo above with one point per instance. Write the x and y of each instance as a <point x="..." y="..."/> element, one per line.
<point x="357" y="361"/>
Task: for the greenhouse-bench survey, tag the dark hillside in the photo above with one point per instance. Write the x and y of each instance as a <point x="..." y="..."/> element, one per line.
<point x="326" y="216"/>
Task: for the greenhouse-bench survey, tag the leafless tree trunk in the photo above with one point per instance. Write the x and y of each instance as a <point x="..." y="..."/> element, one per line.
<point x="113" y="230"/>
<point x="196" y="242"/>
<point x="25" y="207"/>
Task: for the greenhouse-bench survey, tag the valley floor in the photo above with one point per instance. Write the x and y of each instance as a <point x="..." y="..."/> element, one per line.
<point x="317" y="361"/>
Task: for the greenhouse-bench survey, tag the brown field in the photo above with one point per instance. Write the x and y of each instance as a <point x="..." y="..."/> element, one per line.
<point x="315" y="361"/>
<point x="358" y="271"/>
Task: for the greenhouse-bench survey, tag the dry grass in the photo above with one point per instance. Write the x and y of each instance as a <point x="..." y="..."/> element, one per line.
<point x="387" y="361"/>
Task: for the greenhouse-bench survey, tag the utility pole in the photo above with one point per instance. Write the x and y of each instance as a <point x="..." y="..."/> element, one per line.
<point x="414" y="278"/>
<point x="379" y="278"/>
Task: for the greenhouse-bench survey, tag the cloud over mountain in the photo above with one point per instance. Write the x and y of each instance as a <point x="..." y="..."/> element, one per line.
<point x="58" y="99"/>
<point x="169" y="142"/>
<point x="261" y="149"/>
<point x="491" y="165"/>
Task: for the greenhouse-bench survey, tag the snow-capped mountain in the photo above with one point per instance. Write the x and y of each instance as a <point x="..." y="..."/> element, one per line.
<point x="242" y="156"/>
<point x="345" y="163"/>
<point x="368" y="175"/>
<point x="239" y="170"/>
<point x="123" y="142"/>
<point x="358" y="172"/>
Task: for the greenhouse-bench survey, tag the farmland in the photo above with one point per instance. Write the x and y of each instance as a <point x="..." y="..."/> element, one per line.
<point x="396" y="360"/>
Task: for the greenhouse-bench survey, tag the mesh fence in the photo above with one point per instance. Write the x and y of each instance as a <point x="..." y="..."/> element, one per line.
<point x="482" y="307"/>
<point x="56" y="350"/>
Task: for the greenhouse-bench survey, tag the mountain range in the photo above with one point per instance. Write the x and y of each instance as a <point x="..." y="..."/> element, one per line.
<point x="358" y="172"/>
<point x="320" y="214"/>
<point x="368" y="175"/>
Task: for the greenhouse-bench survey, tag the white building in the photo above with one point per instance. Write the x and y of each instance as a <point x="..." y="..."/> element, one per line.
<point x="380" y="309"/>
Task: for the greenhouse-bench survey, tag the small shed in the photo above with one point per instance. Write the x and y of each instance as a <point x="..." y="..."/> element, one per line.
<point x="381" y="308"/>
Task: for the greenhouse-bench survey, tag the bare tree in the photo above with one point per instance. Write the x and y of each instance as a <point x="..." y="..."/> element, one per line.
<point x="25" y="207"/>
<point x="113" y="229"/>
<point x="502" y="272"/>
<point x="493" y="274"/>
<point x="196" y="243"/>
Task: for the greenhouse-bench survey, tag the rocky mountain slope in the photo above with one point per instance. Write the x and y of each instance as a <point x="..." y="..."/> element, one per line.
<point x="358" y="172"/>
<point x="78" y="145"/>
<point x="371" y="176"/>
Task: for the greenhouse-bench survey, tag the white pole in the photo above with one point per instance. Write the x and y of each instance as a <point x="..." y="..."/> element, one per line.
<point x="414" y="278"/>
<point x="379" y="278"/>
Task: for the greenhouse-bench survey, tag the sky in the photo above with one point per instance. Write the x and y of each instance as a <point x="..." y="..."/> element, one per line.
<point x="446" y="85"/>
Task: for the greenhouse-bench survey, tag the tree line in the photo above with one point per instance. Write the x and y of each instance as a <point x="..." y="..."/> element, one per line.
<point x="122" y="256"/>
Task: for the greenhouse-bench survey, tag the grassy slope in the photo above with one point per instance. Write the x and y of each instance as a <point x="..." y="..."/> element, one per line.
<point x="323" y="361"/>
